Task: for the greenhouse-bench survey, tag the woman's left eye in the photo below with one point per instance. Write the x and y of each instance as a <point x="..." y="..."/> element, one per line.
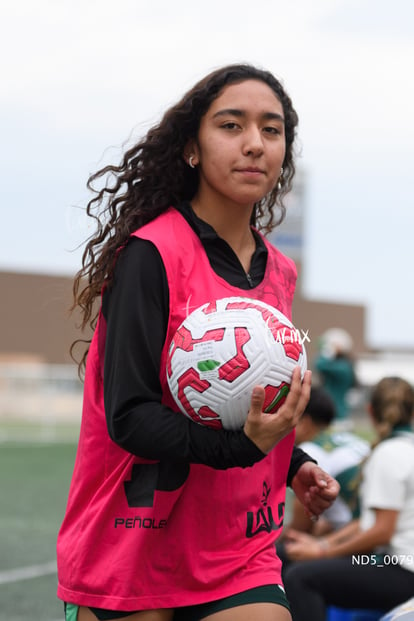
<point x="272" y="130"/>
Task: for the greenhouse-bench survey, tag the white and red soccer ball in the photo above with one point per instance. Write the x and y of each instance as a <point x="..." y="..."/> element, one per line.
<point x="225" y="348"/>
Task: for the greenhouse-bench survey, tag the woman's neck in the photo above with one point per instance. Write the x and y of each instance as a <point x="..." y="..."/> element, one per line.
<point x="231" y="223"/>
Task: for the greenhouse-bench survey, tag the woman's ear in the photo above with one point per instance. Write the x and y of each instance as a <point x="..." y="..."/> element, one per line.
<point x="191" y="154"/>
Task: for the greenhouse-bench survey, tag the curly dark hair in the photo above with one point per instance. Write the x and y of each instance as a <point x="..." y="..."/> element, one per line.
<point x="153" y="175"/>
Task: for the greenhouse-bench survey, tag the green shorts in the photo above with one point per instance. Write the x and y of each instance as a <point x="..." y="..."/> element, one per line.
<point x="270" y="593"/>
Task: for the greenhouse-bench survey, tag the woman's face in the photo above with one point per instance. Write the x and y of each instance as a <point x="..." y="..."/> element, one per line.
<point x="241" y="145"/>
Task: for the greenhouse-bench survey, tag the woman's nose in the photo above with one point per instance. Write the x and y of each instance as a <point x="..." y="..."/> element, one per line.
<point x="253" y="142"/>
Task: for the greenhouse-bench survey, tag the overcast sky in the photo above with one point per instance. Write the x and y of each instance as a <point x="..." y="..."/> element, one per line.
<point x="80" y="78"/>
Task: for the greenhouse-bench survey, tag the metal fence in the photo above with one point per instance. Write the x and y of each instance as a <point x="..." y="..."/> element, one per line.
<point x="40" y="391"/>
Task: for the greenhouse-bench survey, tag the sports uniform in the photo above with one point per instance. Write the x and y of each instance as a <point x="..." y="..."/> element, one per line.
<point x="388" y="483"/>
<point x="338" y="377"/>
<point x="341" y="455"/>
<point x="192" y="515"/>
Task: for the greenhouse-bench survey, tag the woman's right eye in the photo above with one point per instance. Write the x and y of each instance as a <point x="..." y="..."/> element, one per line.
<point x="230" y="125"/>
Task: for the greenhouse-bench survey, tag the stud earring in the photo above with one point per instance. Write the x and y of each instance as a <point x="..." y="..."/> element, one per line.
<point x="191" y="161"/>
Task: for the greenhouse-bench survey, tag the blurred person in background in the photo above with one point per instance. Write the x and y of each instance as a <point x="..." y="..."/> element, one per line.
<point x="368" y="564"/>
<point x="340" y="453"/>
<point x="335" y="369"/>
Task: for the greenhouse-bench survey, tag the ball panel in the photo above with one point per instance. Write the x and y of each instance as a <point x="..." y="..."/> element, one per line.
<point x="275" y="396"/>
<point x="236" y="366"/>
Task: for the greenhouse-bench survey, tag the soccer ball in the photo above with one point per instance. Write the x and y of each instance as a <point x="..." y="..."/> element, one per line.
<point x="225" y="348"/>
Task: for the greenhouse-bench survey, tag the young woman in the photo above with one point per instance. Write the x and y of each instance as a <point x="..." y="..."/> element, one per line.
<point x="370" y="562"/>
<point x="166" y="518"/>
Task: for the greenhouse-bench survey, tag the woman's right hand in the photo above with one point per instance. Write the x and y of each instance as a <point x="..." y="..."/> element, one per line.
<point x="266" y="430"/>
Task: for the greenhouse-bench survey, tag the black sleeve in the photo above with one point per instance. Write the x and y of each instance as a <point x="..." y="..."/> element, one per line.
<point x="136" y="309"/>
<point x="299" y="457"/>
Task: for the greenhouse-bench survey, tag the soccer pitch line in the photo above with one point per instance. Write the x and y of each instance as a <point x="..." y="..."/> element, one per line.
<point x="27" y="573"/>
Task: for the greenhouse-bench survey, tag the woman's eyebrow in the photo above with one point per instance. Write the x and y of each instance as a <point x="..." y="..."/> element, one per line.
<point x="239" y="113"/>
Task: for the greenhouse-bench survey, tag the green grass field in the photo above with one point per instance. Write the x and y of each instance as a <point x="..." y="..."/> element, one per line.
<point x="35" y="469"/>
<point x="36" y="463"/>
